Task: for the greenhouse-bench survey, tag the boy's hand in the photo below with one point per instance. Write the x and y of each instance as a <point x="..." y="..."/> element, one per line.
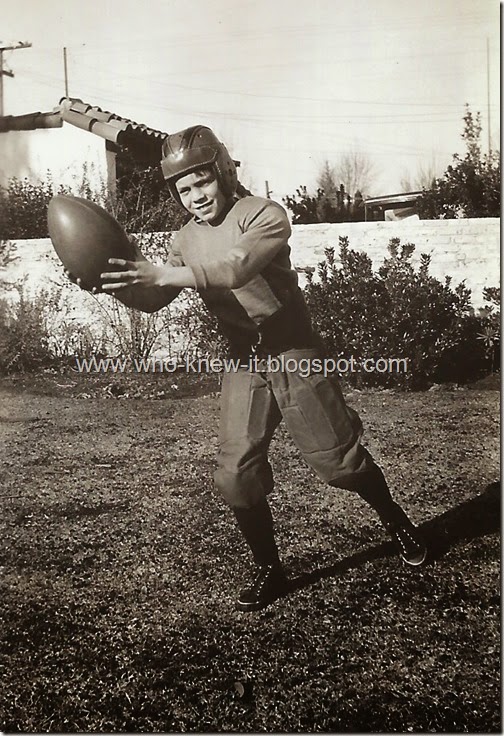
<point x="80" y="283"/>
<point x="141" y="272"/>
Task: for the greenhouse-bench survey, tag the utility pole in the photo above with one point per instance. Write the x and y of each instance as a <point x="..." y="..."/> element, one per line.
<point x="66" y="70"/>
<point x="488" y="97"/>
<point x="7" y="72"/>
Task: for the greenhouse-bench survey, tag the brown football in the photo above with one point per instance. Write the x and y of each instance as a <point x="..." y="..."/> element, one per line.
<point x="85" y="236"/>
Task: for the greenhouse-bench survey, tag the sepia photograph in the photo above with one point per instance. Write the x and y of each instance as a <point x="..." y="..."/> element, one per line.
<point x="250" y="367"/>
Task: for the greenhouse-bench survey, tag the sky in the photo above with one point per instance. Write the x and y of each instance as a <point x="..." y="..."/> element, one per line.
<point x="286" y="84"/>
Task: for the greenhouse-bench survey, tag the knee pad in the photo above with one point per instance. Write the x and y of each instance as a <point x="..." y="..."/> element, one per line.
<point x="245" y="488"/>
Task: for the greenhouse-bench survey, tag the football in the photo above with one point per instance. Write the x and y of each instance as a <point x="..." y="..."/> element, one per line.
<point x="85" y="236"/>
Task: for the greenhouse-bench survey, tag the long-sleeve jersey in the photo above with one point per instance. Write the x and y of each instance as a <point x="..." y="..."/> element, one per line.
<point x="243" y="272"/>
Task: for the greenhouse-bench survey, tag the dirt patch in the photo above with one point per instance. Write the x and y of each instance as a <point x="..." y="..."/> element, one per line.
<point x="120" y="566"/>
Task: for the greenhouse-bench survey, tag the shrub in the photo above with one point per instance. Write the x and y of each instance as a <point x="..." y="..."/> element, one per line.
<point x="143" y="206"/>
<point x="126" y="332"/>
<point x="324" y="206"/>
<point x="23" y="209"/>
<point x="396" y="312"/>
<point x="490" y="327"/>
<point x="196" y="329"/>
<point x="23" y="204"/>
<point x="143" y="202"/>
<point x="129" y="333"/>
<point x="470" y="186"/>
<point x="24" y="335"/>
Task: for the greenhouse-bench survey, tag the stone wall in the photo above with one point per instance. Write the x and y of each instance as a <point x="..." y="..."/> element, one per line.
<point x="467" y="250"/>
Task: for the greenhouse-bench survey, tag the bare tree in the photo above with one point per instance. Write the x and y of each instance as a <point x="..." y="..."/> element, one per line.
<point x="423" y="179"/>
<point x="355" y="170"/>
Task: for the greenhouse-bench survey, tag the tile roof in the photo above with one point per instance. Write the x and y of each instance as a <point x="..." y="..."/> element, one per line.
<point x="30" y="121"/>
<point x="143" y="142"/>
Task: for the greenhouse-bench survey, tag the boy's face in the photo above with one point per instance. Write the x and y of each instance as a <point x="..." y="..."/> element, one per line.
<point x="200" y="194"/>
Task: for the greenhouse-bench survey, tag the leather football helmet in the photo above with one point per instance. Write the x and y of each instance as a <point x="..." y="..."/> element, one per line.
<point x="194" y="148"/>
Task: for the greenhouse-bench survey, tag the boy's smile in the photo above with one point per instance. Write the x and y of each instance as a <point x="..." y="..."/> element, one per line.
<point x="200" y="195"/>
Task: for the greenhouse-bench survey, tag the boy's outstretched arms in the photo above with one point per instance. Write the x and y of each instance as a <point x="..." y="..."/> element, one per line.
<point x="145" y="286"/>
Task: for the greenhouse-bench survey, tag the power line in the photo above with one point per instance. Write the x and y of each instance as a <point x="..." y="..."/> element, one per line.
<point x="240" y="93"/>
<point x="442" y="22"/>
<point x="405" y="116"/>
<point x="488" y="98"/>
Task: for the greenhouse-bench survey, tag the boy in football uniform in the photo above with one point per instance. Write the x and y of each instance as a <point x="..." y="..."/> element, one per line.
<point x="234" y="251"/>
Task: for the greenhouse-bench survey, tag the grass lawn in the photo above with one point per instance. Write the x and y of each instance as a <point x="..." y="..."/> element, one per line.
<point x="120" y="566"/>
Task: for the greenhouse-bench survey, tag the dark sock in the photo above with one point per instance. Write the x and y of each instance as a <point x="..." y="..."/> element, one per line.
<point x="373" y="488"/>
<point x="256" y="525"/>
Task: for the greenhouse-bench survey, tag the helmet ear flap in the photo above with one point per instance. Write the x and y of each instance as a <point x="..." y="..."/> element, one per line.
<point x="172" y="188"/>
<point x="225" y="170"/>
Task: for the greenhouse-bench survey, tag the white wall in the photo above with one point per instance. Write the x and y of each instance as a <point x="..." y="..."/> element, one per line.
<point x="62" y="151"/>
<point x="468" y="250"/>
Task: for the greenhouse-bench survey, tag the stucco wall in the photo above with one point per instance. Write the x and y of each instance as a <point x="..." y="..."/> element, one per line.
<point x="464" y="249"/>
<point x="60" y="151"/>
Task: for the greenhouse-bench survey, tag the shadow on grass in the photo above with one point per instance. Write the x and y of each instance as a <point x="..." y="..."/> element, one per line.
<point x="475" y="518"/>
<point x="472" y="519"/>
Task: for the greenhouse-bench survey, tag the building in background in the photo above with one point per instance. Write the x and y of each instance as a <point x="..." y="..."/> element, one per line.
<point x="392" y="207"/>
<point x="117" y="148"/>
<point x="35" y="144"/>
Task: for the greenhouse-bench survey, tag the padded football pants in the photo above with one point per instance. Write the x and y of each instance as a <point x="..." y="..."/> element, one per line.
<point x="325" y="430"/>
